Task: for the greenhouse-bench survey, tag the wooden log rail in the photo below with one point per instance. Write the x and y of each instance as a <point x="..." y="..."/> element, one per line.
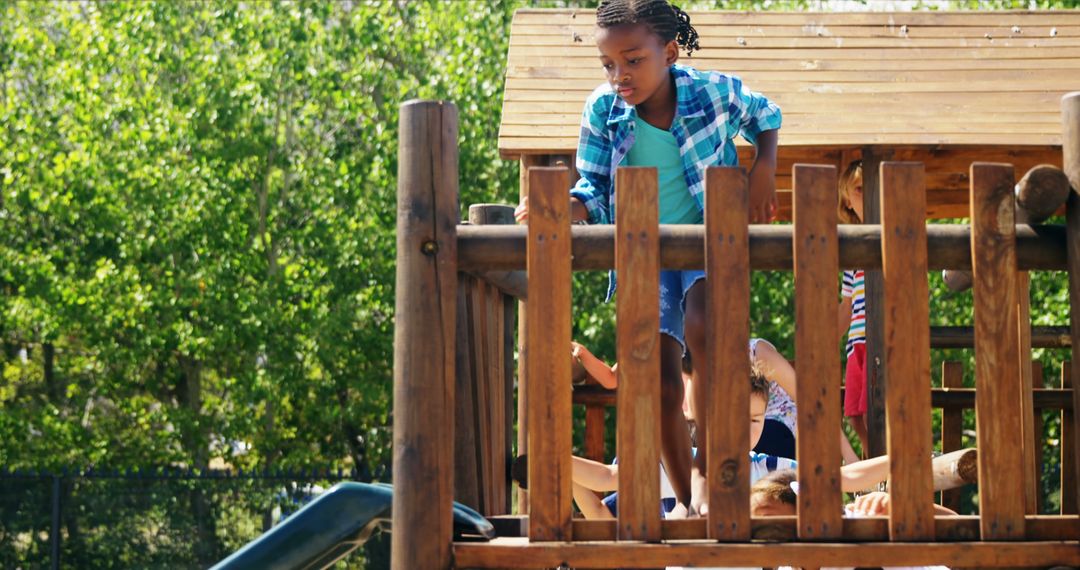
<point x="432" y="249"/>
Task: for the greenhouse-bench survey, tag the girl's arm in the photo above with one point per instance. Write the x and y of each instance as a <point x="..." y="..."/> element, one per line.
<point x="594" y="475"/>
<point x="763" y="179"/>
<point x="596" y="368"/>
<point x="877" y="503"/>
<point x="775" y="366"/>
<point x="864" y="474"/>
<point x="843" y="316"/>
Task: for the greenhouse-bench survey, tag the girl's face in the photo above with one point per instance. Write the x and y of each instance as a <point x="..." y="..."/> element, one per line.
<point x="762" y="505"/>
<point x="636" y="62"/>
<point x="757" y="419"/>
<point x="855" y="195"/>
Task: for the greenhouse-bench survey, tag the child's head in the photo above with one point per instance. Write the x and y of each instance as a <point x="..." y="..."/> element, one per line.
<point x="639" y="40"/>
<point x="850" y="206"/>
<point x="759" y="399"/>
<point x="773" y="494"/>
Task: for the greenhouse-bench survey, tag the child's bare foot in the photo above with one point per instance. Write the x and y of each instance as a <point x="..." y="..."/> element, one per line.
<point x="679" y="512"/>
<point x="699" y="493"/>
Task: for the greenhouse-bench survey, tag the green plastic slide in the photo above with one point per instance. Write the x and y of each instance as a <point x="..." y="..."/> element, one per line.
<point x="333" y="525"/>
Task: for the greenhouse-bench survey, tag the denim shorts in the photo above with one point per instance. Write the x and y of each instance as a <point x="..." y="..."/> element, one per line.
<point x="673" y="288"/>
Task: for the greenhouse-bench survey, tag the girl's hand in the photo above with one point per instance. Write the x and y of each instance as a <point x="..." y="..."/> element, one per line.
<point x="871" y="504"/>
<point x="521" y="213"/>
<point x="576" y="350"/>
<point x="762" y="194"/>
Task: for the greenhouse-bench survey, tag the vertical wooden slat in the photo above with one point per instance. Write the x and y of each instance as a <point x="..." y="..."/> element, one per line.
<point x="481" y="364"/>
<point x="637" y="266"/>
<point x="1070" y="151"/>
<point x="426" y="302"/>
<point x="876" y="365"/>
<point x="548" y="311"/>
<point x="907" y="349"/>
<point x="727" y="263"/>
<point x="952" y="425"/>
<point x="594" y="432"/>
<point x="816" y="361"/>
<point x="1068" y="448"/>
<point x="509" y="365"/>
<point x="527" y="162"/>
<point x="1023" y="329"/>
<point x="467" y="469"/>
<point x="997" y="360"/>
<point x="1036" y="439"/>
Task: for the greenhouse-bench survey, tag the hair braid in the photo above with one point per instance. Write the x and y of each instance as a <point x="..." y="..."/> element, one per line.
<point x="662" y="18"/>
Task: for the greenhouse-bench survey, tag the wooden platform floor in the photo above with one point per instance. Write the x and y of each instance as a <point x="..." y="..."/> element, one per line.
<point x="520" y="553"/>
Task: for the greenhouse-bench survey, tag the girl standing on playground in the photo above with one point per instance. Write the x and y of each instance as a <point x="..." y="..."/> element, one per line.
<point x="852" y="312"/>
<point x="654" y="112"/>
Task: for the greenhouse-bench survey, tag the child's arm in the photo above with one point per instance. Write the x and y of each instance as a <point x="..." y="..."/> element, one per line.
<point x="596" y="368"/>
<point x="594" y="475"/>
<point x="843" y="316"/>
<point x="864" y="474"/>
<point x="877" y="504"/>
<point x="763" y="179"/>
<point x="775" y="366"/>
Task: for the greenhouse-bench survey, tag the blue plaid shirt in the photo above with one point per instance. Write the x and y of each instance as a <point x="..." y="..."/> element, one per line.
<point x="711" y="108"/>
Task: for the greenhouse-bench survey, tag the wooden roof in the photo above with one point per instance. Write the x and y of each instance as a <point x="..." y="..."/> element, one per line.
<point x="946" y="88"/>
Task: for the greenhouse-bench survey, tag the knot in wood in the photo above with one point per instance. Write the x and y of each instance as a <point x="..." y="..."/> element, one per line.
<point x="429" y="247"/>
<point x="728" y="472"/>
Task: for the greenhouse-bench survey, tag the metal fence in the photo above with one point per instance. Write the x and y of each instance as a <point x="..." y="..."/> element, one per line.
<point x="151" y="518"/>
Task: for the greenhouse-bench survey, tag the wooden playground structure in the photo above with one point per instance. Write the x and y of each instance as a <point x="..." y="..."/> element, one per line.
<point x="453" y="360"/>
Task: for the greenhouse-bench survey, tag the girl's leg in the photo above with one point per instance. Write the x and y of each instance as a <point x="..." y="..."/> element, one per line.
<point x="594" y="475"/>
<point x="589" y="504"/>
<point x="694" y="328"/>
<point x="674" y="431"/>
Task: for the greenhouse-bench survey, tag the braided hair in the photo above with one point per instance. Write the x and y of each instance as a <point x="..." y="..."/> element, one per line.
<point x="665" y="20"/>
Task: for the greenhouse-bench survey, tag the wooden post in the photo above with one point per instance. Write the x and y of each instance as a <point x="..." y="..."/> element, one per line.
<point x="594" y="432"/>
<point x="527" y="161"/>
<point x="907" y="349"/>
<point x="1068" y="448"/>
<point x="1037" y="436"/>
<point x="998" y="413"/>
<point x="727" y="263"/>
<point x="952" y="425"/>
<point x="1070" y="147"/>
<point x="816" y="363"/>
<point x="1031" y="456"/>
<point x="495" y="393"/>
<point x="427" y="215"/>
<point x="876" y="368"/>
<point x="548" y="311"/>
<point x="637" y="264"/>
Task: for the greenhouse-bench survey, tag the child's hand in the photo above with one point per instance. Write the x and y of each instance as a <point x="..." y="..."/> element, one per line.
<point x="762" y="194"/>
<point x="576" y="350"/>
<point x="871" y="504"/>
<point x="521" y="213"/>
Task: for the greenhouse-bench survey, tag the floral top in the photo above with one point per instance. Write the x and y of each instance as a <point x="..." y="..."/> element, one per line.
<point x="781" y="406"/>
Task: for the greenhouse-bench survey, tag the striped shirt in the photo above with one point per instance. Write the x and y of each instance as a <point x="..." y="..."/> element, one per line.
<point x="855" y="288"/>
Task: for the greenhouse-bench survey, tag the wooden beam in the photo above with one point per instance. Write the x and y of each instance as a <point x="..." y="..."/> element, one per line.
<point x="682" y="247"/>
<point x="997" y="409"/>
<point x="907" y="348"/>
<point x="526" y="163"/>
<point x="637" y="262"/>
<point x="1070" y="148"/>
<point x="876" y="363"/>
<point x="952" y="424"/>
<point x="548" y="313"/>
<point x="424" y="332"/>
<point x="727" y="262"/>
<point x="816" y="362"/>
<point x="517" y="553"/>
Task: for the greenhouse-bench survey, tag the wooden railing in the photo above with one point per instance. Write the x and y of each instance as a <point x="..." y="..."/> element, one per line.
<point x="432" y="249"/>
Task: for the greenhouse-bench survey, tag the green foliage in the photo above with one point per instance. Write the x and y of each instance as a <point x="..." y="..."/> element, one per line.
<point x="197" y="209"/>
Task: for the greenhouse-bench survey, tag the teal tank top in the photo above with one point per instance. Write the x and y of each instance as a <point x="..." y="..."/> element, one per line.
<point x="658" y="148"/>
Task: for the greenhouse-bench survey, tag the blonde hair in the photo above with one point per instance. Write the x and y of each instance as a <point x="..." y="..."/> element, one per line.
<point x="776" y="487"/>
<point x="844" y="211"/>
<point x="759" y="384"/>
